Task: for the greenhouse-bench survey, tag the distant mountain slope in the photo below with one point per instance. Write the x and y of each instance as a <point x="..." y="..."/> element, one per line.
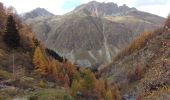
<point x="36" y="13"/>
<point x="78" y="35"/>
<point x="142" y="70"/>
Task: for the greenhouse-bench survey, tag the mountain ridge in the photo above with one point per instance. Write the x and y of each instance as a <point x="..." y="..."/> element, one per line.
<point x="65" y="33"/>
<point x="103" y="9"/>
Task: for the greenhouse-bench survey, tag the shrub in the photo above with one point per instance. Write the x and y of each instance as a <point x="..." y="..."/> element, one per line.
<point x="68" y="97"/>
<point x="42" y="84"/>
<point x="5" y="74"/>
<point x="136" y="74"/>
<point x="138" y="71"/>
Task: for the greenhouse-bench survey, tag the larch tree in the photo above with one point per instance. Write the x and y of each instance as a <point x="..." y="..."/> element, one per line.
<point x="54" y="69"/>
<point x="66" y="82"/>
<point x="40" y="62"/>
<point x="26" y="37"/>
<point x="74" y="87"/>
<point x="89" y="80"/>
<point x="109" y="95"/>
<point x="2" y="18"/>
<point x="77" y="76"/>
<point x="100" y="88"/>
<point x="11" y="36"/>
<point x="70" y="69"/>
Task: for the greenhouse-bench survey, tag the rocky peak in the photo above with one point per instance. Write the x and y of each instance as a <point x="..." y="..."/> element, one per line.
<point x="38" y="12"/>
<point x="100" y="9"/>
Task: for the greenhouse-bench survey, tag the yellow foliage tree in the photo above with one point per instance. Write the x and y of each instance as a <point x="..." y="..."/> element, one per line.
<point x="109" y="95"/>
<point x="77" y="76"/>
<point x="89" y="81"/>
<point x="39" y="62"/>
<point x="26" y="37"/>
<point x="136" y="44"/>
<point x="74" y="87"/>
<point x="100" y="88"/>
<point x="54" y="69"/>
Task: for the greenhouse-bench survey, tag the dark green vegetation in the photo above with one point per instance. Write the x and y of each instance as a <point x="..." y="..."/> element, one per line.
<point x="11" y="36"/>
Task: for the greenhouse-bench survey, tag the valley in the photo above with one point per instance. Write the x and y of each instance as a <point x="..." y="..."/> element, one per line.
<point x="98" y="51"/>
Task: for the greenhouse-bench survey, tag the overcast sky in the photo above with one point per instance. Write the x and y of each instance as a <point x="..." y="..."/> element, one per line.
<point x="59" y="7"/>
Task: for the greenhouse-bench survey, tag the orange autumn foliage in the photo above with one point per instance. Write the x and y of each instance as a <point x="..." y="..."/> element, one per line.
<point x="40" y="62"/>
<point x="70" y="69"/>
<point x="66" y="82"/>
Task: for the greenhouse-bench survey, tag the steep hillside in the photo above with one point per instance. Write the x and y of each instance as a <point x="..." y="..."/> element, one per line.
<point x="91" y="41"/>
<point x="93" y="32"/>
<point x="142" y="70"/>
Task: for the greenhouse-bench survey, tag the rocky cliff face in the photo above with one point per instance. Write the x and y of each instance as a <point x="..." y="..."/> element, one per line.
<point x="94" y="32"/>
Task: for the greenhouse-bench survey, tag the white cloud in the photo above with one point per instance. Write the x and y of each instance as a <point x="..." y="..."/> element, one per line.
<point x="150" y="2"/>
<point x="54" y="6"/>
<point x="159" y="7"/>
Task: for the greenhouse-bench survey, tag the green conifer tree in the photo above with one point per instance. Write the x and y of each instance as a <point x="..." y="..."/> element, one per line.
<point x="11" y="36"/>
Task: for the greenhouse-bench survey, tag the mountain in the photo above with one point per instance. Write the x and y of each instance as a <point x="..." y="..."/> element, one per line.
<point x="36" y="13"/>
<point x="92" y="33"/>
<point x="103" y="9"/>
<point x="31" y="71"/>
<point x="142" y="70"/>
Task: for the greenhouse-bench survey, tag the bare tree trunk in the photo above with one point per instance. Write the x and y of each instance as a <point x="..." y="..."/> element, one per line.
<point x="13" y="63"/>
